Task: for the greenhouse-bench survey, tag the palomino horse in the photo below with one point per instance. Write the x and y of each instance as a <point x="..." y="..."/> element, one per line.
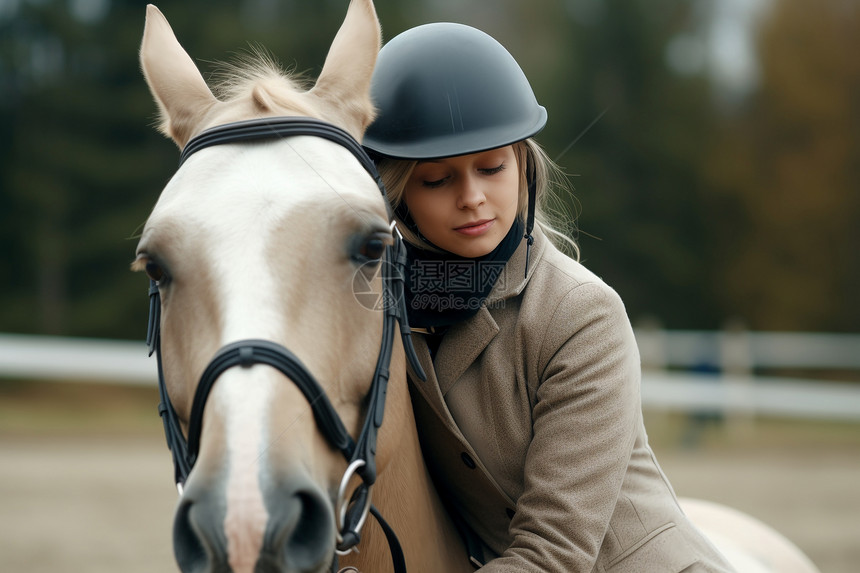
<point x="254" y="249"/>
<point x="264" y="241"/>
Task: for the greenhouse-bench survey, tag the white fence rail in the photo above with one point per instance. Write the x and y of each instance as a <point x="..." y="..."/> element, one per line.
<point x="76" y="359"/>
<point x="723" y="372"/>
<point x="719" y="376"/>
<point x="749" y="397"/>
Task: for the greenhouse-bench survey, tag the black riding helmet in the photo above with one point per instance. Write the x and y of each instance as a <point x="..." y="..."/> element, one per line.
<point x="448" y="89"/>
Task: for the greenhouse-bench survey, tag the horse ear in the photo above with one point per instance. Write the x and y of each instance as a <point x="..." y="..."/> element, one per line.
<point x="344" y="83"/>
<point x="182" y="95"/>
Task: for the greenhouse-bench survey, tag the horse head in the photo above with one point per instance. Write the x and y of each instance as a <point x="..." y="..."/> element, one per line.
<point x="267" y="240"/>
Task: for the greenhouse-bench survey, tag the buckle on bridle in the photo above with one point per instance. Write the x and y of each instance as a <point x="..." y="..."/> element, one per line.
<point x="349" y="523"/>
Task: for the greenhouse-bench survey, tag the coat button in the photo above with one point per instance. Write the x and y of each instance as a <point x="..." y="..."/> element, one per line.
<point x="510" y="512"/>
<point x="467" y="459"/>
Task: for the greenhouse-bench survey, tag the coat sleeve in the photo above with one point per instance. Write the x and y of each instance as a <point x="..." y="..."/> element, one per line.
<point x="584" y="425"/>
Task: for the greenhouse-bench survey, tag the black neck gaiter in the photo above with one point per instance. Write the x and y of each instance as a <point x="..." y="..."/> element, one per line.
<point x="443" y="288"/>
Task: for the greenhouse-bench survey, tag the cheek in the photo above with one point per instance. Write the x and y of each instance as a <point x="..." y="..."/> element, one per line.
<point x="511" y="193"/>
<point x="423" y="207"/>
<point x="191" y="331"/>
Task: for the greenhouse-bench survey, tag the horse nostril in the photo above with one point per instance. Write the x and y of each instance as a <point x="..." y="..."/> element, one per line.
<point x="195" y="537"/>
<point x="302" y="530"/>
<point x="314" y="523"/>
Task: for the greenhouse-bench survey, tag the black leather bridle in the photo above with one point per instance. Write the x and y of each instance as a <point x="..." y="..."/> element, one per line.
<point x="360" y="453"/>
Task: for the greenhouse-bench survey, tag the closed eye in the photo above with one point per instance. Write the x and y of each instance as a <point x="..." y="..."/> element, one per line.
<point x="492" y="170"/>
<point x="436" y="183"/>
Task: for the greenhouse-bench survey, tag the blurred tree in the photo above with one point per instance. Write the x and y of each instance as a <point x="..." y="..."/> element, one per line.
<point x="631" y="132"/>
<point x="758" y="224"/>
<point x="786" y="173"/>
<point x="76" y="169"/>
<point x="81" y="162"/>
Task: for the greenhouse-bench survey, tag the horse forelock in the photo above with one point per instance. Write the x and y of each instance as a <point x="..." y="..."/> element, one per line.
<point x="257" y="81"/>
<point x="255" y="85"/>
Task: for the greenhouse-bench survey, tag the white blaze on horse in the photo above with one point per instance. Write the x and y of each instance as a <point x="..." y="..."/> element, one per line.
<point x="253" y="249"/>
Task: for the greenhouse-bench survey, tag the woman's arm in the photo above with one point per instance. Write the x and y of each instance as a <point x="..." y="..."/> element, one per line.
<point x="584" y="425"/>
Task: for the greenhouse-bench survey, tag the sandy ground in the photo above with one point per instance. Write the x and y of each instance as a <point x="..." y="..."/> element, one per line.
<point x="105" y="505"/>
<point x="86" y="480"/>
<point x="85" y="506"/>
<point x="813" y="499"/>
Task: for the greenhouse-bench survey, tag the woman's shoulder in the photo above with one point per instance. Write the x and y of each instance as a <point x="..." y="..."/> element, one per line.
<point x="559" y="276"/>
<point x="563" y="297"/>
<point x="570" y="320"/>
<point x="556" y="288"/>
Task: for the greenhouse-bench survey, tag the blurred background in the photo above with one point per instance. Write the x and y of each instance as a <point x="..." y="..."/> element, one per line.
<point x="714" y="164"/>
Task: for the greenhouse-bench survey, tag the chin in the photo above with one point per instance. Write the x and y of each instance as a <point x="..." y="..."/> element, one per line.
<point x="475" y="251"/>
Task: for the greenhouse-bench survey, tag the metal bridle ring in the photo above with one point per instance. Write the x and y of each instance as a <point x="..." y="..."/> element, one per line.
<point x="343" y="503"/>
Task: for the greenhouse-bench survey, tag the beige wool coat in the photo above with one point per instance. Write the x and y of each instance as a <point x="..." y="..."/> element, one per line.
<point x="531" y="425"/>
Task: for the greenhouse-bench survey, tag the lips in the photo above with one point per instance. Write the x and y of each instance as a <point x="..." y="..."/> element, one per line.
<point x="475" y="228"/>
<point x="473" y="224"/>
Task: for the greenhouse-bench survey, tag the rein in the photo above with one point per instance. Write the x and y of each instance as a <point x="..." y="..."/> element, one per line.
<point x="361" y="453"/>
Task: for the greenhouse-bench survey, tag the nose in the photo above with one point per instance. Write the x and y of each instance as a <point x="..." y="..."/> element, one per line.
<point x="299" y="534"/>
<point x="471" y="193"/>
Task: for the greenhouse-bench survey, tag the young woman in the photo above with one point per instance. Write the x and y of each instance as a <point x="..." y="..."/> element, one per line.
<point x="530" y="417"/>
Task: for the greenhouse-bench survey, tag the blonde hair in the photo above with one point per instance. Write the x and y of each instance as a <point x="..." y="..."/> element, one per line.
<point x="550" y="210"/>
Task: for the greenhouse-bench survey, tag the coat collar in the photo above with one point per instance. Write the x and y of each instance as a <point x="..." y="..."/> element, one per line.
<point x="464" y="342"/>
<point x="514" y="279"/>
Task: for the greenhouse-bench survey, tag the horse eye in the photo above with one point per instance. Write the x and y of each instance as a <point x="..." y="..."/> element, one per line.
<point x="154" y="271"/>
<point x="372" y="247"/>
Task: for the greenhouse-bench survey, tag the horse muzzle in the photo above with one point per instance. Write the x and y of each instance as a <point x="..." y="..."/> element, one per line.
<point x="295" y="533"/>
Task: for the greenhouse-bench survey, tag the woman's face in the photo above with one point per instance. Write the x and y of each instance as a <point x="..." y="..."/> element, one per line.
<point x="465" y="204"/>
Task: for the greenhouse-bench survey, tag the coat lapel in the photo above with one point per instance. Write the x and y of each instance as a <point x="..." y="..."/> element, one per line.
<point x="460" y="348"/>
<point x="462" y="345"/>
<point x="430" y="392"/>
<point x="429" y="389"/>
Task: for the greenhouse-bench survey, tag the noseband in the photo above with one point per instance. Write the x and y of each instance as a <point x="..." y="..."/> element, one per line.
<point x="361" y="453"/>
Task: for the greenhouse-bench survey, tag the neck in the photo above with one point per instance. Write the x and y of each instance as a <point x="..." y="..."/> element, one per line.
<point x="407" y="499"/>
